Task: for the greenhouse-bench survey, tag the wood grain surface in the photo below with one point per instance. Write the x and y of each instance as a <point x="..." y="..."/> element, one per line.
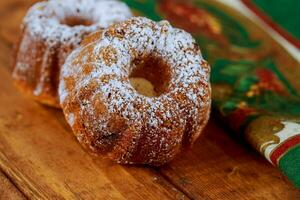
<point x="41" y="158"/>
<point x="8" y="190"/>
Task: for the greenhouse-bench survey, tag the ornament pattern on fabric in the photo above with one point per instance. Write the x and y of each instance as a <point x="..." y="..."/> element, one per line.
<point x="255" y="82"/>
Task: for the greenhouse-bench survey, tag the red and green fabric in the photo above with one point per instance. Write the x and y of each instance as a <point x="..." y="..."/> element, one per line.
<point x="281" y="15"/>
<point x="256" y="85"/>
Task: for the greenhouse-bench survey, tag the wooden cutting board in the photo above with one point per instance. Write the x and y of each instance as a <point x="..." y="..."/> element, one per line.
<point x="41" y="159"/>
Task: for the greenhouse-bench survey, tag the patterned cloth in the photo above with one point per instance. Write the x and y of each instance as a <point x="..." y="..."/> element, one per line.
<point x="256" y="86"/>
<point x="275" y="14"/>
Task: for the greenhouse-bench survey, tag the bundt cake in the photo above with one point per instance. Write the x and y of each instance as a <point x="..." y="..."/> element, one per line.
<point x="99" y="92"/>
<point x="50" y="30"/>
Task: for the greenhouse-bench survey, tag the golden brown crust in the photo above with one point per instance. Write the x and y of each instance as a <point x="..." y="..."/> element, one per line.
<point x="39" y="79"/>
<point x="50" y="31"/>
<point x="111" y="118"/>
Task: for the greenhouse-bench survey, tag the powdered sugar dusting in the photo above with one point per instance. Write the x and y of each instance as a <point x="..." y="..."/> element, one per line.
<point x="71" y="119"/>
<point x="161" y="123"/>
<point x="45" y="19"/>
<point x="47" y="39"/>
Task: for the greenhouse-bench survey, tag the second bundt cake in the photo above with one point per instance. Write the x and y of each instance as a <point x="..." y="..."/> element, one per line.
<point x="50" y="30"/>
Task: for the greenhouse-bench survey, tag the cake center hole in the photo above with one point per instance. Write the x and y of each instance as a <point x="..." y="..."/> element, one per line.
<point x="150" y="76"/>
<point x="76" y="21"/>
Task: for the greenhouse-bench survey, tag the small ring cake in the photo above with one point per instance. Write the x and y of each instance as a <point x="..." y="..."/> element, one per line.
<point x="109" y="115"/>
<point x="50" y="30"/>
